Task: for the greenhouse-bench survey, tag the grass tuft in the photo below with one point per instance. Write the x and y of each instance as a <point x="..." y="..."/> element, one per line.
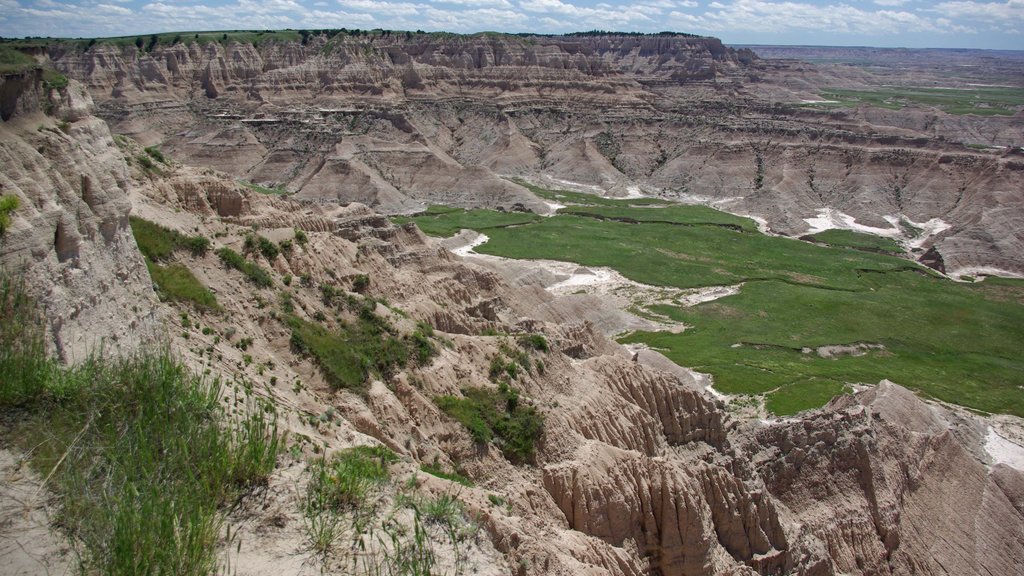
<point x="140" y="449"/>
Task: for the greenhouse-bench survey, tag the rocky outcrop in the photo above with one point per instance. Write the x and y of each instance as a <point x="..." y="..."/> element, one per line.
<point x="891" y="486"/>
<point x="69" y="240"/>
<point x="398" y="121"/>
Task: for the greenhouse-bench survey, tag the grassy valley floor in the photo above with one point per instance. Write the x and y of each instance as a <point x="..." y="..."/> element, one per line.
<point x="809" y="320"/>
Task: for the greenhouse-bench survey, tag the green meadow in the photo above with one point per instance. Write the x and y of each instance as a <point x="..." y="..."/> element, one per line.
<point x="961" y="343"/>
<point x="980" y="100"/>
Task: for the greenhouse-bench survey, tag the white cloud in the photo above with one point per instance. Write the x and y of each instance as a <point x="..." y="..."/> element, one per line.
<point x="996" y="15"/>
<point x="790" y="17"/>
<point x="892" y="2"/>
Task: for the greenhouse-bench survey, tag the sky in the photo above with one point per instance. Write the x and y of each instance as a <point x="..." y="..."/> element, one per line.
<point x="895" y="23"/>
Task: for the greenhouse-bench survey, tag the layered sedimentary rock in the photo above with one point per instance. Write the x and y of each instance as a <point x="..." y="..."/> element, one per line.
<point x="399" y="121"/>
<point x="69" y="239"/>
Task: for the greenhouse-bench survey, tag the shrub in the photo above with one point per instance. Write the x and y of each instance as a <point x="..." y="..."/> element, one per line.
<point x="535" y="341"/>
<point x="360" y="283"/>
<point x="8" y="204"/>
<point x="497" y="414"/>
<point x="155" y="154"/>
<point x="348" y="356"/>
<point x="300" y="237"/>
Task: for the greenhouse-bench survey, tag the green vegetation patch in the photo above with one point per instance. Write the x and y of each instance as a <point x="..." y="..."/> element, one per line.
<point x="858" y="240"/>
<point x="140" y="450"/>
<point x="254" y="272"/>
<point x="158" y="243"/>
<point x="945" y="339"/>
<point x="980" y="100"/>
<point x="8" y="204"/>
<point x="685" y="215"/>
<point x="439" y="221"/>
<point x="176" y="282"/>
<point x="13" y="61"/>
<point x="953" y="341"/>
<point x="497" y="415"/>
<point x="686" y="256"/>
<point x="173" y="281"/>
<point x="435" y="470"/>
<point x="584" y="199"/>
<point x="350" y="354"/>
<point x="345" y="482"/>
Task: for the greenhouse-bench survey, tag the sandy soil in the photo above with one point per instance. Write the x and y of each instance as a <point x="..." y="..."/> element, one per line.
<point x="28" y="546"/>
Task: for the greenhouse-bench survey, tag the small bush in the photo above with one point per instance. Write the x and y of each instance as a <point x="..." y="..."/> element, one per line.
<point x="360" y="283"/>
<point x="8" y="204"/>
<point x="268" y="248"/>
<point x="300" y="237"/>
<point x="349" y="355"/>
<point x="155" y="154"/>
<point x="497" y="414"/>
<point x="346" y="480"/>
<point x="535" y="341"/>
<point x="197" y="245"/>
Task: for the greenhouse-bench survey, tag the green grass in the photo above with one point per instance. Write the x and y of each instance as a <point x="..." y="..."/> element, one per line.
<point x="173" y="281"/>
<point x="435" y="470"/>
<point x="956" y="342"/>
<point x="438" y="221"/>
<point x="675" y="214"/>
<point x="8" y="204"/>
<point x="158" y="243"/>
<point x="140" y="451"/>
<point x="349" y="355"/>
<point x="685" y="256"/>
<point x="858" y="240"/>
<point x="583" y="199"/>
<point x="981" y="100"/>
<point x="254" y="272"/>
<point x="13" y="61"/>
<point x="346" y="480"/>
<point x="177" y="283"/>
<point x="497" y="415"/>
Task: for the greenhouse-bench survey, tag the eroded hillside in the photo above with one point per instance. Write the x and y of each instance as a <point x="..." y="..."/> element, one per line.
<point x="398" y="121"/>
<point x="564" y="454"/>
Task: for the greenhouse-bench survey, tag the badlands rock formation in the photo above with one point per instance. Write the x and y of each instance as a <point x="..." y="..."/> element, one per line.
<point x="400" y="121"/>
<point x="69" y="240"/>
<point x="637" y="471"/>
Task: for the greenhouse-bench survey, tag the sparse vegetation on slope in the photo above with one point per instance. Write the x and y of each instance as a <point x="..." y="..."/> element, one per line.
<point x="351" y="353"/>
<point x="174" y="281"/>
<point x="140" y="451"/>
<point x="254" y="272"/>
<point x="8" y="204"/>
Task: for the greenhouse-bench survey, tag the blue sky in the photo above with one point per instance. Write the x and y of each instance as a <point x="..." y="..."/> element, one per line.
<point x="910" y="23"/>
